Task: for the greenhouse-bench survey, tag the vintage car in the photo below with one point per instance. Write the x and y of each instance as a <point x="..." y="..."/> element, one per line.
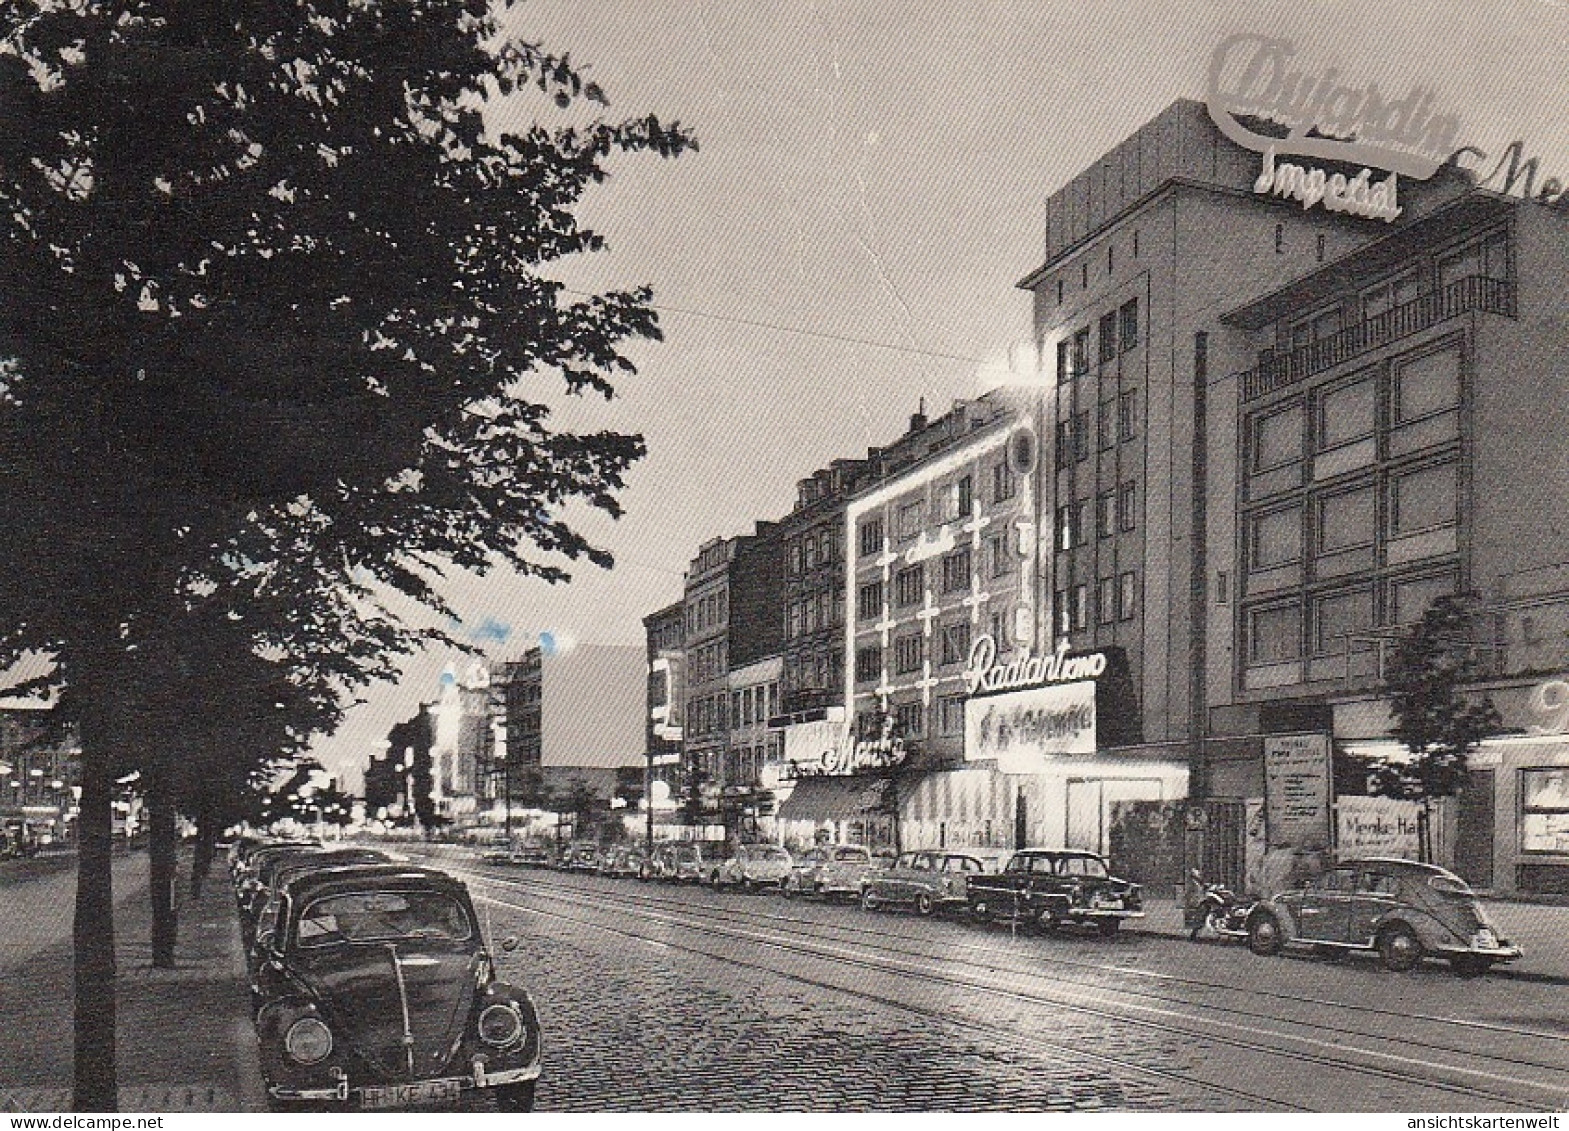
<point x="622" y="860"/>
<point x="579" y="856"/>
<point x="1402" y="910"/>
<point x="929" y="880"/>
<point x="1052" y="887"/>
<point x="376" y="989"/>
<point x="754" y="866"/>
<point x="681" y="861"/>
<point x="832" y="870"/>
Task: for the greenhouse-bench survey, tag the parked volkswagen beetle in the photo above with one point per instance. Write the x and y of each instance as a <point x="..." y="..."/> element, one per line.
<point x="376" y="990"/>
<point x="1400" y="909"/>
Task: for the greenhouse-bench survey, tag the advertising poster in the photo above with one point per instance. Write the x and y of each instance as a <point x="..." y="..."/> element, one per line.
<point x="1019" y="729"/>
<point x="1377" y="826"/>
<point x="1296" y="791"/>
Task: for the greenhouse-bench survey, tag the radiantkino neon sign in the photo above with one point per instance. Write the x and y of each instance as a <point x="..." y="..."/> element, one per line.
<point x="984" y="673"/>
<point x="1327" y="119"/>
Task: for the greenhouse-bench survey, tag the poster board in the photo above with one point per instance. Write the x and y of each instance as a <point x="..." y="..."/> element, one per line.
<point x="1296" y="791"/>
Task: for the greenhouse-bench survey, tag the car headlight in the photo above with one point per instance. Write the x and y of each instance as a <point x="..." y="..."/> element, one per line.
<point x="500" y="1025"/>
<point x="308" y="1041"/>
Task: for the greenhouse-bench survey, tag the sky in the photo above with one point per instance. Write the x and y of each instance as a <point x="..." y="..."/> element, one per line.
<point x="845" y="243"/>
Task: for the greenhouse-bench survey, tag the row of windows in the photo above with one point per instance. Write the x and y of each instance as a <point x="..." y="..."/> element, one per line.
<point x="1119" y="333"/>
<point x="952" y="501"/>
<point x="1117" y="418"/>
<point x="708" y="611"/>
<point x="757" y="704"/>
<point x="1116" y="599"/>
<point x="1416" y="500"/>
<point x="707" y="714"/>
<point x="822" y="670"/>
<point x="1114" y="511"/>
<point x="1280" y="631"/>
<point x="952" y="644"/>
<point x="947" y="712"/>
<point x="1420" y="389"/>
<point x="811" y="614"/>
<point x="813" y="549"/>
<point x="710" y="661"/>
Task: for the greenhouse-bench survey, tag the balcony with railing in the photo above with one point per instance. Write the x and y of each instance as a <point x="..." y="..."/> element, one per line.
<point x="1473" y="293"/>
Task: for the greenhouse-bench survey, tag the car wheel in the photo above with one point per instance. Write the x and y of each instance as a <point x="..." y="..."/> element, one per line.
<point x="981" y="911"/>
<point x="784" y="889"/>
<point x="749" y="886"/>
<point x="1470" y="965"/>
<point x="1264" y="935"/>
<point x="1400" y="947"/>
<point x="871" y="900"/>
<point x="924" y="904"/>
<point x="715" y="882"/>
<point x="1048" y="920"/>
<point x="515" y="1097"/>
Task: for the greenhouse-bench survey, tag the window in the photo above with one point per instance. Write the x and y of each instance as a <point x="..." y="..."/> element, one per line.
<point x="1004" y="486"/>
<point x="1488" y="257"/>
<point x="1338" y="615"/>
<point x="907" y="653"/>
<point x="795" y="557"/>
<point x="1387" y="296"/>
<point x="1106" y="600"/>
<point x="1425" y="386"/>
<point x="1059" y="292"/>
<point x="1064" y="613"/>
<point x="1065" y="528"/>
<point x="964" y="493"/>
<point x="1319" y="251"/>
<point x="1081" y="352"/>
<point x="1104" y="526"/>
<point x="908" y="717"/>
<point x="999" y="560"/>
<point x="1277" y="438"/>
<point x="1111" y="258"/>
<point x="1081" y="435"/>
<point x="1104" y="434"/>
<point x="1325" y="324"/>
<point x="1127" y="494"/>
<point x="1345" y="520"/>
<point x="1423" y="499"/>
<point x="1108" y="337"/>
<point x="1280" y="238"/>
<point x="810" y="551"/>
<point x="1345" y="415"/>
<point x="1544" y="810"/>
<point x="1127" y="593"/>
<point x="1063" y="372"/>
<point x="797" y="619"/>
<point x="1081" y="607"/>
<point x="1081" y="522"/>
<point x="956" y="642"/>
<point x="1276" y="538"/>
<point x="871" y="537"/>
<point x="910" y="585"/>
<point x="997" y="625"/>
<point x="868" y="663"/>
<point x="1129" y="315"/>
<point x="1127" y="414"/>
<point x="1410" y="598"/>
<point x="1275" y="634"/>
<point x="956" y="571"/>
<point x="1064" y="443"/>
<point x="950" y="714"/>
<point x="869" y="600"/>
<point x="912" y="516"/>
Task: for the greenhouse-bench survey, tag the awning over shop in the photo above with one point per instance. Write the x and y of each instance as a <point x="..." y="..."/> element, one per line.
<point x="833" y="798"/>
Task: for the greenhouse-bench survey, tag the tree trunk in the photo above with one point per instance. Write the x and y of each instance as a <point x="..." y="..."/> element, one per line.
<point x="163" y="863"/>
<point x="206" y="837"/>
<point x="93" y="936"/>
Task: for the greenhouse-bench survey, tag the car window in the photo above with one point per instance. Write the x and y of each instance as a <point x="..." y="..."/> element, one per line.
<point x="1043" y="864"/>
<point x="383" y="916"/>
<point x="1336" y="881"/>
<point x="1451" y="887"/>
<point x="923" y="862"/>
<point x="769" y="852"/>
<point x="907" y="860"/>
<point x="1379" y="883"/>
<point x="852" y="855"/>
<point x="1083" y="866"/>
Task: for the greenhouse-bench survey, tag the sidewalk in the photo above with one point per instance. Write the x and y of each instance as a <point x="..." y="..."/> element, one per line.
<point x="185" y="1036"/>
<point x="1541" y="931"/>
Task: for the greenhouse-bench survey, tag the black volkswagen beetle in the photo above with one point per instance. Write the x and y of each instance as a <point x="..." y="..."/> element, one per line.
<point x="375" y="990"/>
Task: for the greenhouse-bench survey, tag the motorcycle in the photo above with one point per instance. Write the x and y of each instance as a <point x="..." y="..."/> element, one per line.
<point x="1221" y="910"/>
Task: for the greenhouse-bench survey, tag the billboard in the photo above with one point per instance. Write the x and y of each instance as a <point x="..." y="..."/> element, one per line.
<point x="1296" y="791"/>
<point x="1021" y="728"/>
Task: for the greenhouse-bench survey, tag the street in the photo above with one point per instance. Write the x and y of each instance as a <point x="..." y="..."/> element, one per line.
<point x="660" y="998"/>
<point x="664" y="998"/>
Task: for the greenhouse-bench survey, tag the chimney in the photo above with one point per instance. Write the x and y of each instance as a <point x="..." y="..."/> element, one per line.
<point x="918" y="418"/>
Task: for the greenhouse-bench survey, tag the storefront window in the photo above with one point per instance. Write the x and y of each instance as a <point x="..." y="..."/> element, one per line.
<point x="1544" y="810"/>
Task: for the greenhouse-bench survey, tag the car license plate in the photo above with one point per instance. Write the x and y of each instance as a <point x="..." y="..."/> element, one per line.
<point x="1110" y="903"/>
<point x="1484" y="939"/>
<point x="400" y="1095"/>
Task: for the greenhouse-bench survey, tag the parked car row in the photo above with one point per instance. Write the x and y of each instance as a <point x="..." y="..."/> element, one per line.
<point x="373" y="984"/>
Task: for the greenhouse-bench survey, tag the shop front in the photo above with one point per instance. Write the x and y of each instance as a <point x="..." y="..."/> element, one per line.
<point x="834" y="788"/>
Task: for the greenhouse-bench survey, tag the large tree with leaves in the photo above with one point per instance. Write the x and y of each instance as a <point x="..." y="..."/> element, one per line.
<point x="1435" y="719"/>
<point x="280" y="340"/>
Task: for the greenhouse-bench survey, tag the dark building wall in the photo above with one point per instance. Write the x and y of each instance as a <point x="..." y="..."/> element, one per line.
<point x="756" y="597"/>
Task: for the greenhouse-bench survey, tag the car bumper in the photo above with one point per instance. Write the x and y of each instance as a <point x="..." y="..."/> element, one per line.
<point x="1504" y="952"/>
<point x="344" y="1092"/>
<point x="1103" y="913"/>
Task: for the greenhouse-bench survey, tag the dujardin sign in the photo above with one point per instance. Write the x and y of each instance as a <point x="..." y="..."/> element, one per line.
<point x="1324" y="116"/>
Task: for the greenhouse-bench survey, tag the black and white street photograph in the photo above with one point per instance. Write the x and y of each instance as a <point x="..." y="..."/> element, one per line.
<point x="811" y="556"/>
